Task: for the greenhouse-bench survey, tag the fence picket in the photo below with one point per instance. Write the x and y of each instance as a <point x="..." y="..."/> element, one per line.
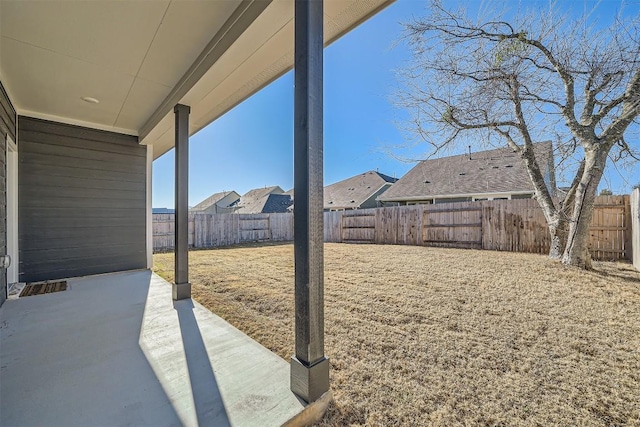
<point x="503" y="225"/>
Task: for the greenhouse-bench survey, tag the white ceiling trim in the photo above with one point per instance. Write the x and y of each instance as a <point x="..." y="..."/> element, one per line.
<point x="68" y="121"/>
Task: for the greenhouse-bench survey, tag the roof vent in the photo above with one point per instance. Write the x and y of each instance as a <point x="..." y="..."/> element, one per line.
<point x="462" y="173"/>
<point x="353" y="201"/>
<point x="509" y="166"/>
<point x="427" y="182"/>
<point x="330" y="202"/>
<point x="496" y="167"/>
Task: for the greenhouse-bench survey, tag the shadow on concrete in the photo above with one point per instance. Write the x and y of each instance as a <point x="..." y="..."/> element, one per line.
<point x="209" y="406"/>
<point x="116" y="350"/>
<point x="72" y="358"/>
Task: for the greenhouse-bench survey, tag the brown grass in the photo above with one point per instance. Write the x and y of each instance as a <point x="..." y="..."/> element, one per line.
<point x="429" y="336"/>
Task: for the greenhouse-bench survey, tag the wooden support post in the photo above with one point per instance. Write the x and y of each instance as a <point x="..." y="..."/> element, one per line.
<point x="309" y="366"/>
<point x="181" y="288"/>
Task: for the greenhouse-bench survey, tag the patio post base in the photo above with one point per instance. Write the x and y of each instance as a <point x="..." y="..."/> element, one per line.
<point x="309" y="382"/>
<point x="180" y="291"/>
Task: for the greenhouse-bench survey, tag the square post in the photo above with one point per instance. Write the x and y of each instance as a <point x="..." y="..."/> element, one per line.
<point x="181" y="288"/>
<point x="309" y="366"/>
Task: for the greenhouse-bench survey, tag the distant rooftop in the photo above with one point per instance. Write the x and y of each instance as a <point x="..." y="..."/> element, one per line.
<point x="163" y="211"/>
<point x="211" y="200"/>
<point x="353" y="192"/>
<point x="491" y="171"/>
<point x="254" y="201"/>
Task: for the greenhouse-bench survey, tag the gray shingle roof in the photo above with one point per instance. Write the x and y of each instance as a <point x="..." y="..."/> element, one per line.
<point x="276" y="203"/>
<point x="253" y="201"/>
<point x="352" y="192"/>
<point x="211" y="200"/>
<point x="492" y="171"/>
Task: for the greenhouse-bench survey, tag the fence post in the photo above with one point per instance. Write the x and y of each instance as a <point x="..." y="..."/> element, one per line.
<point x="619" y="229"/>
<point x="635" y="227"/>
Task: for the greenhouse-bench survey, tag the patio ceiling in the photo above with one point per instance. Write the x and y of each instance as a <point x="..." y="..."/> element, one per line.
<point x="139" y="59"/>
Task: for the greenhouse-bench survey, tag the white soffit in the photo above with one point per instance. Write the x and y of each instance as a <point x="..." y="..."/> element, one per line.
<point x="140" y="58"/>
<point x="126" y="54"/>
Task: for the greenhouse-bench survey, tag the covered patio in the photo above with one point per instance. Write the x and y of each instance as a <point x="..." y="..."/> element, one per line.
<point x="90" y="94"/>
<point x="88" y="356"/>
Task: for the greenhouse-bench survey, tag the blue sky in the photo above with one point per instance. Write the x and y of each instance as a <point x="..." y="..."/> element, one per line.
<point x="252" y="145"/>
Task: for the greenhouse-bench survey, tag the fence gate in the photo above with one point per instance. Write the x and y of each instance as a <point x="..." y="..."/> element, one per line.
<point x="359" y="226"/>
<point x="254" y="228"/>
<point x="610" y="229"/>
<point x="448" y="225"/>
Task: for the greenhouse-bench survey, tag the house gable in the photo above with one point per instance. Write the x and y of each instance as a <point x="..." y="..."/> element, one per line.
<point x="357" y="192"/>
<point x="222" y="202"/>
<point x="253" y="201"/>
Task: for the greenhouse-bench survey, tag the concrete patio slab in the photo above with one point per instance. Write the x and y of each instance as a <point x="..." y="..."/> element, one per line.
<point x="115" y="350"/>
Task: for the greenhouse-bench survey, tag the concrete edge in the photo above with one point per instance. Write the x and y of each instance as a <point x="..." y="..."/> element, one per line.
<point x="312" y="413"/>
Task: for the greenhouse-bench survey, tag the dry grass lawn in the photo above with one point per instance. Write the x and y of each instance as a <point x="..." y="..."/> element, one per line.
<point x="443" y="337"/>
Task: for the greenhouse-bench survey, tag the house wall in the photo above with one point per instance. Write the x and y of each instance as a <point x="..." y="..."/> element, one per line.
<point x="82" y="201"/>
<point x="459" y="198"/>
<point x="371" y="202"/>
<point x="452" y="200"/>
<point x="221" y="206"/>
<point x="7" y="127"/>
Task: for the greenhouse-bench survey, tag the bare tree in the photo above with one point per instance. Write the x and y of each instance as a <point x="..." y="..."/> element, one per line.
<point x="533" y="78"/>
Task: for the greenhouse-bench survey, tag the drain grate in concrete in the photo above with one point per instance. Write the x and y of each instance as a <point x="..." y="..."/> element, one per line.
<point x="43" y="288"/>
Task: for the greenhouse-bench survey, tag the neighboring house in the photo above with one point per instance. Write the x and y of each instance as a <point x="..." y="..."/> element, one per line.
<point x="223" y="202"/>
<point x="163" y="211"/>
<point x="357" y="192"/>
<point x="485" y="175"/>
<point x="290" y="194"/>
<point x="264" y="200"/>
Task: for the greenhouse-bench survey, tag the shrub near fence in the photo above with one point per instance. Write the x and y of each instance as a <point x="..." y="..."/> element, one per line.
<point x="504" y="225"/>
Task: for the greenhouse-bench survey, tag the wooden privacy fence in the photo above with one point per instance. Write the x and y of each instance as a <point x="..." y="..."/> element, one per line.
<point x="635" y="226"/>
<point x="509" y="225"/>
<point x="611" y="228"/>
<point x="207" y="230"/>
<point x="504" y="225"/>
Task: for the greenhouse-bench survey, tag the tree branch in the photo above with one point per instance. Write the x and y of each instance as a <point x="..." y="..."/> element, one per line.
<point x="566" y="205"/>
<point x="630" y="110"/>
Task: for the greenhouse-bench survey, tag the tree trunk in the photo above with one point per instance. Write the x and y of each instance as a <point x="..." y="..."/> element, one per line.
<point x="556" y="222"/>
<point x="558" y="231"/>
<point x="576" y="252"/>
